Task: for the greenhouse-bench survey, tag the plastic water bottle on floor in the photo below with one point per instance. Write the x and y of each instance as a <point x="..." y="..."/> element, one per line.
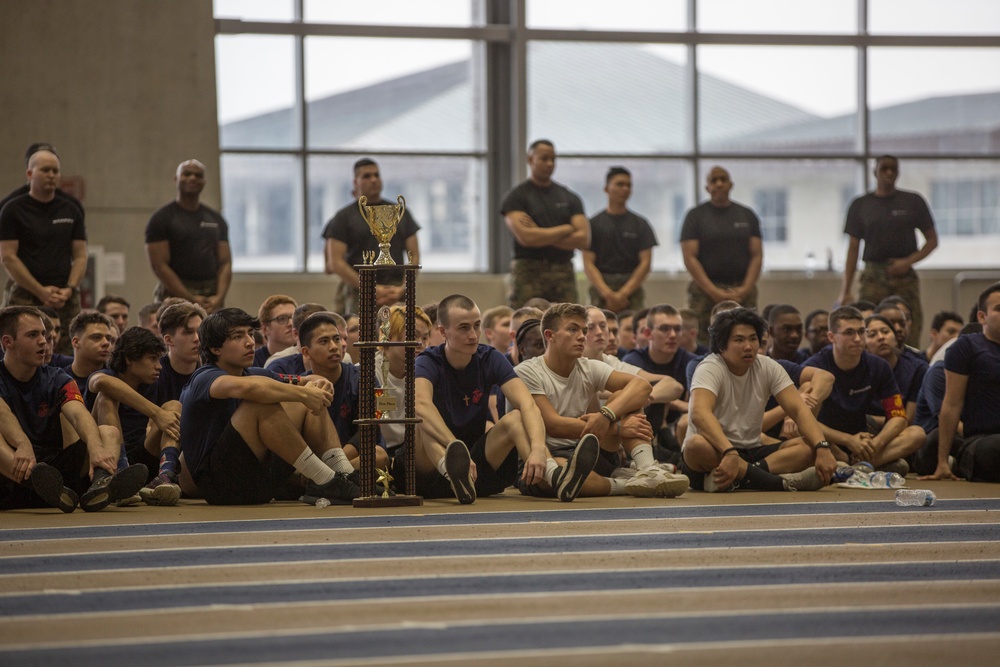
<point x="877" y="480"/>
<point x="322" y="502"/>
<point x="915" y="498"/>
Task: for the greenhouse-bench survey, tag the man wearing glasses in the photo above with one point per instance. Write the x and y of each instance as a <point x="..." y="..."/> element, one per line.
<point x="277" y="328"/>
<point x="862" y="379"/>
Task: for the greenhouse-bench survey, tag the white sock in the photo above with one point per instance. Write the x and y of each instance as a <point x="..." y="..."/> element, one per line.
<point x="643" y="456"/>
<point x="617" y="486"/>
<point x="336" y="459"/>
<point x="310" y="466"/>
<point x="442" y="469"/>
<point x="550" y="470"/>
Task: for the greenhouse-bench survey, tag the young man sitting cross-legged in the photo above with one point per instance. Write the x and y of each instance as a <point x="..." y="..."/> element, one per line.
<point x="244" y="431"/>
<point x="452" y="388"/>
<point x="729" y="393"/>
<point x="123" y="400"/>
<point x="40" y="453"/>
<point x="566" y="386"/>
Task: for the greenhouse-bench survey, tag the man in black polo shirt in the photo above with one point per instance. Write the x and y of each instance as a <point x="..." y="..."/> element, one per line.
<point x="548" y="224"/>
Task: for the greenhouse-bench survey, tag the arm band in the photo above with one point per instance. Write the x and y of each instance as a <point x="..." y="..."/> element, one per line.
<point x="730" y="451"/>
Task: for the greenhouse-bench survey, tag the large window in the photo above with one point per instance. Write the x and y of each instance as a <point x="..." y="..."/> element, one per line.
<point x="794" y="98"/>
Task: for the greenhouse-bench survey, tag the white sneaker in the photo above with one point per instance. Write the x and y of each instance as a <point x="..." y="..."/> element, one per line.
<point x="653" y="482"/>
<point x="712" y="487"/>
<point x="807" y="480"/>
<point x="623" y="473"/>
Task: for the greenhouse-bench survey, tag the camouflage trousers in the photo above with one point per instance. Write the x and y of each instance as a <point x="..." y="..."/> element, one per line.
<point x="699" y="302"/>
<point x="637" y="301"/>
<point x="876" y="284"/>
<point x="15" y="295"/>
<point x="196" y="287"/>
<point x="554" y="281"/>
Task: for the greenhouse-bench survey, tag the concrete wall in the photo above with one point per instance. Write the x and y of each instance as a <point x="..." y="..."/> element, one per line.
<point x="125" y="90"/>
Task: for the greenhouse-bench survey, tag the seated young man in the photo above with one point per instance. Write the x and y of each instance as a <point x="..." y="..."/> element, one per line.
<point x="179" y="327"/>
<point x="862" y="379"/>
<point x="972" y="394"/>
<point x="149" y="431"/>
<point x="289" y="361"/>
<point x="36" y="453"/>
<point x="729" y="394"/>
<point x="244" y="431"/>
<point x="453" y="384"/>
<point x="322" y="351"/>
<point x="566" y="386"/>
<point x="92" y="335"/>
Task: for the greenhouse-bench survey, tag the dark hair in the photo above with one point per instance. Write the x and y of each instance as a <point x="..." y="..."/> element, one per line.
<point x="176" y="316"/>
<point x="843" y="313"/>
<point x="85" y="318"/>
<point x="431" y="311"/>
<point x="721" y="329"/>
<point x="884" y="320"/>
<point x="149" y="309"/>
<point x="609" y="314"/>
<point x="812" y="314"/>
<point x="862" y="304"/>
<point x="616" y="171"/>
<point x="364" y="162"/>
<point x="541" y="142"/>
<point x="722" y="307"/>
<point x="879" y="159"/>
<point x="661" y="309"/>
<point x="134" y="344"/>
<point x="622" y="314"/>
<point x="453" y="301"/>
<point x="304" y="311"/>
<point x="218" y="326"/>
<point x="897" y="301"/>
<point x="10" y="316"/>
<point x="314" y="321"/>
<point x="557" y="312"/>
<point x="971" y="328"/>
<point x="523" y="330"/>
<point x="945" y="316"/>
<point x="35" y="148"/>
<point x="49" y="312"/>
<point x="639" y="315"/>
<point x="985" y="295"/>
<point x="779" y="310"/>
<point x="111" y="298"/>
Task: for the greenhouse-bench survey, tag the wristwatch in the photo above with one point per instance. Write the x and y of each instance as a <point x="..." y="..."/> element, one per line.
<point x="822" y="444"/>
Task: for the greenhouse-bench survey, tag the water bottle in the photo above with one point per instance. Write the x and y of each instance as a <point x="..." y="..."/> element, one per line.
<point x="878" y="480"/>
<point x="894" y="480"/>
<point x="915" y="498"/>
<point x="322" y="502"/>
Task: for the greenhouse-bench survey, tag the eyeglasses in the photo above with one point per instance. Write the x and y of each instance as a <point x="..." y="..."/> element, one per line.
<point x="667" y="328"/>
<point x="851" y="333"/>
<point x="281" y="319"/>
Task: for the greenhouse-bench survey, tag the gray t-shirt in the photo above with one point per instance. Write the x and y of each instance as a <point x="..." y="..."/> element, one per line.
<point x="740" y="399"/>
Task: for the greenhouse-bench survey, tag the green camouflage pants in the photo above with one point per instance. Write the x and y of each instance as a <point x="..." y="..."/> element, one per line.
<point x="876" y="284"/>
<point x="15" y="295"/>
<point x="699" y="302"/>
<point x="636" y="301"/>
<point x="196" y="287"/>
<point x="555" y="281"/>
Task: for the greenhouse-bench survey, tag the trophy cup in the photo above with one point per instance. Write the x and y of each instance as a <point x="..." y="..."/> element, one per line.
<point x="383" y="221"/>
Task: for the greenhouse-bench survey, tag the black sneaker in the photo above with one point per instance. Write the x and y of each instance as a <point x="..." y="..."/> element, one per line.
<point x="458" y="463"/>
<point x="569" y="479"/>
<point x="47" y="482"/>
<point x="337" y="490"/>
<point x="110" y="488"/>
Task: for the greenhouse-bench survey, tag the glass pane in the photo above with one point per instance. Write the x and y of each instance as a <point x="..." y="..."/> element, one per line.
<point x="262" y="202"/>
<point x="608" y="98"/>
<point x="778" y="16"/>
<point x="963" y="200"/>
<point x="809" y="196"/>
<point x="935" y="100"/>
<point x="933" y="17"/>
<point x="395" y="12"/>
<point x="409" y="94"/>
<point x="255" y="10"/>
<point x="665" y="15"/>
<point x="661" y="193"/>
<point x="443" y="194"/>
<point x="771" y="98"/>
<point x="256" y="91"/>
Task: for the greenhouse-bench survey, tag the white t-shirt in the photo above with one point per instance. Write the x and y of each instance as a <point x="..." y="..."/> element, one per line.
<point x="619" y="365"/>
<point x="394" y="434"/>
<point x="740" y="399"/>
<point x="570" y="396"/>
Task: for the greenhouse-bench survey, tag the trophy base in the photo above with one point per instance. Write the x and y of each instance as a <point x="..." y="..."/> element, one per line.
<point x="384" y="258"/>
<point x="391" y="501"/>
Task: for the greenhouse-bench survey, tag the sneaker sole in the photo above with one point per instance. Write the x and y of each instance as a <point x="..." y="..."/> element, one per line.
<point x="577" y="468"/>
<point x="130" y="501"/>
<point x="164" y="495"/>
<point x="458" y="463"/>
<point x="677" y="485"/>
<point x="126" y="483"/>
<point x="47" y="482"/>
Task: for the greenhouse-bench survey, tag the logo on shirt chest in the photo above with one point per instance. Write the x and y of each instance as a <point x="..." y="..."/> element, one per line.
<point x="209" y="225"/>
<point x="475" y="399"/>
<point x="63" y="221"/>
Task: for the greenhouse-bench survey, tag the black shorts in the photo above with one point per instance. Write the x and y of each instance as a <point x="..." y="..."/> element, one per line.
<point x="137" y="453"/>
<point x="488" y="481"/>
<point x="751" y="455"/>
<point x="69" y="461"/>
<point x="230" y="473"/>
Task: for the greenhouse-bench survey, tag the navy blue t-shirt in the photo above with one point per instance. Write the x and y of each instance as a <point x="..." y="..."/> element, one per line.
<point x="133" y="422"/>
<point x="260" y="356"/>
<point x="909" y="373"/>
<point x="293" y="364"/>
<point x="462" y="396"/>
<point x="977" y="357"/>
<point x="794" y="371"/>
<point x="675" y="368"/>
<point x="37" y="403"/>
<point x="930" y="398"/>
<point x="203" y="418"/>
<point x="169" y="385"/>
<point x="870" y="381"/>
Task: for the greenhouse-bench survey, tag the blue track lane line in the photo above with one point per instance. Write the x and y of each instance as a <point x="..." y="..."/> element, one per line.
<point x="374" y="589"/>
<point x="257" y="554"/>
<point x="533" y="634"/>
<point x="485" y="518"/>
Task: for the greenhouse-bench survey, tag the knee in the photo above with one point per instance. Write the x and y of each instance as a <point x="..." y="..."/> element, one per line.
<point x="172" y="406"/>
<point x="381" y="458"/>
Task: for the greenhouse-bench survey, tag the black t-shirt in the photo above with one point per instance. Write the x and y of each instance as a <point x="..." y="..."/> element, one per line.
<point x="723" y="235"/>
<point x="617" y="240"/>
<point x="168" y="386"/>
<point x="348" y="227"/>
<point x="551" y="206"/>
<point x="45" y="232"/>
<point x="193" y="238"/>
<point x="24" y="189"/>
<point x="887" y="224"/>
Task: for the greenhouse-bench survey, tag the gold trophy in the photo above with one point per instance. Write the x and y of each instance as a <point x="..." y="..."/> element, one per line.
<point x="383" y="221"/>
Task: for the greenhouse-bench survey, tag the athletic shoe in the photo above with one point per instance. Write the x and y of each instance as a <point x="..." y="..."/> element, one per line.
<point x="458" y="464"/>
<point x="47" y="482"/>
<point x="569" y="479"/>
<point x="163" y="490"/>
<point x="338" y="490"/>
<point x="712" y="487"/>
<point x="129" y="502"/>
<point x="807" y="480"/>
<point x="624" y="473"/>
<point x="654" y="482"/>
<point x="107" y="488"/>
<point x="899" y="466"/>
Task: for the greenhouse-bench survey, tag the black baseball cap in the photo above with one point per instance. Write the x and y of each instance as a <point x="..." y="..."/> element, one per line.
<point x="40" y="146"/>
